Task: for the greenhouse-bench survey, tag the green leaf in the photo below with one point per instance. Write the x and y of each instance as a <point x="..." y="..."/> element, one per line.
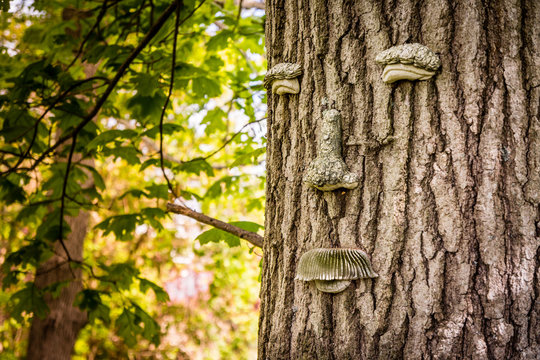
<point x="98" y="180"/>
<point x="90" y="301"/>
<point x="71" y="106"/>
<point x="161" y="295"/>
<point x="147" y="107"/>
<point x="122" y="274"/>
<point x="128" y="328"/>
<point x="10" y="192"/>
<point x="4" y="5"/>
<point x="33" y="254"/>
<point x="128" y="153"/>
<point x="157" y="191"/>
<point x="188" y="195"/>
<point x="168" y="129"/>
<point x="214" y="121"/>
<point x="203" y="86"/>
<point x="28" y="300"/>
<point x="188" y="71"/>
<point x="150" y="326"/>
<point x="214" y="63"/>
<point x="122" y="226"/>
<point x="216" y="235"/>
<point x="226" y="183"/>
<point x="154" y="216"/>
<point x="153" y="162"/>
<point x="110" y="135"/>
<point x="196" y="167"/>
<point x="17" y="123"/>
<point x="56" y="288"/>
<point x="249" y="158"/>
<point x="219" y="41"/>
<point x="133" y="192"/>
<point x="146" y="84"/>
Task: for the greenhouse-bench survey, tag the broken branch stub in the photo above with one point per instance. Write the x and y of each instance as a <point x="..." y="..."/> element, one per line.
<point x="328" y="171"/>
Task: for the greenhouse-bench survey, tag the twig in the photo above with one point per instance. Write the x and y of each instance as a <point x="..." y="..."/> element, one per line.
<point x="253" y="238"/>
<point x="96" y="24"/>
<point x="225" y="143"/>
<point x="151" y="13"/>
<point x="167" y="100"/>
<point x="238" y="15"/>
<point x="60" y="264"/>
<point x="63" y="199"/>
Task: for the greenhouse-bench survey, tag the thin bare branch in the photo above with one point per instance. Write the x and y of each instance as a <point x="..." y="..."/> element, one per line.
<point x="238" y="15"/>
<point x="226" y="142"/>
<point x="253" y="238"/>
<point x="167" y="100"/>
<point x="63" y="200"/>
<point x="95" y="26"/>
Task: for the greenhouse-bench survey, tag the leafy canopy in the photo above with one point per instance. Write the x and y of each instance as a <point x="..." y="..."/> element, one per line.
<point x="109" y="108"/>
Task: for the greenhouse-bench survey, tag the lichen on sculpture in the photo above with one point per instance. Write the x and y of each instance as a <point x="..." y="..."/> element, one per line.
<point x="283" y="78"/>
<point x="408" y="62"/>
<point x="334" y="269"/>
<point x="328" y="171"/>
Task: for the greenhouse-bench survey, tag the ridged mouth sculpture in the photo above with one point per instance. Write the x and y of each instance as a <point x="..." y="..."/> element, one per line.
<point x="334" y="269"/>
<point x="283" y="78"/>
<point x="408" y="62"/>
<point x="328" y="171"/>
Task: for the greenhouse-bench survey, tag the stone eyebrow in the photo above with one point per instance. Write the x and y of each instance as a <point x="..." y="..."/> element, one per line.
<point x="282" y="78"/>
<point x="415" y="54"/>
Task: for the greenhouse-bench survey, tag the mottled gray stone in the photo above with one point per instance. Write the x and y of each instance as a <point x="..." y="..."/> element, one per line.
<point x="282" y="78"/>
<point x="416" y="54"/>
<point x="328" y="171"/>
<point x="333" y="269"/>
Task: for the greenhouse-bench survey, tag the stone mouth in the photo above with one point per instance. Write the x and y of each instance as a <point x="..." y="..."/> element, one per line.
<point x="396" y="72"/>
<point x="332" y="286"/>
<point x="339" y="185"/>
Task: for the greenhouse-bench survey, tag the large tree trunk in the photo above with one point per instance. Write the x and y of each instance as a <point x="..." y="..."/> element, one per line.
<point x="448" y="211"/>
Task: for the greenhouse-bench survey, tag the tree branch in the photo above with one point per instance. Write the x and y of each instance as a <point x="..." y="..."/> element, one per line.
<point x="62" y="202"/>
<point x="96" y="24"/>
<point x="55" y="102"/>
<point x="125" y="65"/>
<point x="253" y="238"/>
<point x="167" y="100"/>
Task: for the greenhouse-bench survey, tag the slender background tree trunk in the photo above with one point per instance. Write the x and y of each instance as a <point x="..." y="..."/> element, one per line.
<point x="448" y="210"/>
<point x="53" y="338"/>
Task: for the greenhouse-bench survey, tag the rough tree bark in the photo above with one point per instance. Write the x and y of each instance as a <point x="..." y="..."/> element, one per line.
<point x="448" y="211"/>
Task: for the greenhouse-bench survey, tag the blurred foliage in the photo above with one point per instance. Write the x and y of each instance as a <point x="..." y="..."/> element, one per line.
<point x="151" y="290"/>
